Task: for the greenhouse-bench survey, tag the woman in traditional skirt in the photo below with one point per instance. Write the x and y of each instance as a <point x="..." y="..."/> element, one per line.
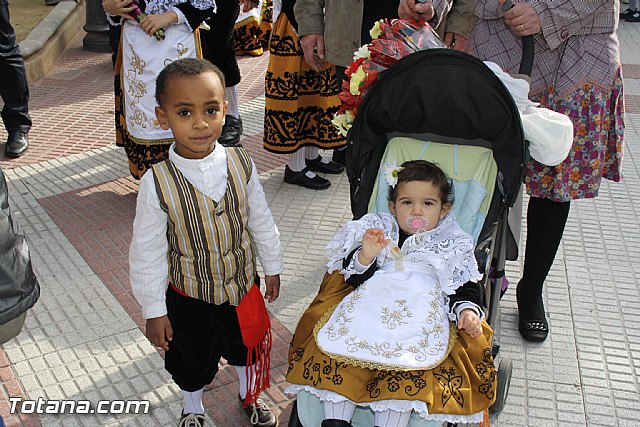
<point x="169" y="31"/>
<point x="299" y="106"/>
<point x="577" y="72"/>
<point x="253" y="29"/>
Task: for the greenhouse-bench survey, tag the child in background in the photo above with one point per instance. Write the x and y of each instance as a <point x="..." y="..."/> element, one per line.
<point x="168" y="32"/>
<point x="379" y="334"/>
<point x="201" y="219"/>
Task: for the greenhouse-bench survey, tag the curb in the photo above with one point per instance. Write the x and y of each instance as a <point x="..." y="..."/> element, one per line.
<point x="50" y="37"/>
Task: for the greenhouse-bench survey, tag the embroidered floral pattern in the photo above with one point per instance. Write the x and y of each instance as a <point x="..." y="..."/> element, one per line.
<point x="487" y="373"/>
<point x="450" y="383"/>
<point x="394" y="318"/>
<point x="411" y="383"/>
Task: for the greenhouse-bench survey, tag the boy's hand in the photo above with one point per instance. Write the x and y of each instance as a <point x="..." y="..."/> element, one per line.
<point x="159" y="332"/>
<point x="470" y="323"/>
<point x="272" y="283"/>
<point x="373" y="242"/>
<point x="152" y="23"/>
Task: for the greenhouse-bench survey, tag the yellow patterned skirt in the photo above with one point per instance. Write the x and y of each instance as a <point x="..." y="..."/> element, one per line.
<point x="299" y="102"/>
<point x="463" y="385"/>
<point x="252" y="30"/>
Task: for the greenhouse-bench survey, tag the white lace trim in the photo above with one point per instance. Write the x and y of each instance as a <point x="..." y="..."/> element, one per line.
<point x="349" y="237"/>
<point x="382" y="405"/>
<point x="447" y="248"/>
<point x="163" y="6"/>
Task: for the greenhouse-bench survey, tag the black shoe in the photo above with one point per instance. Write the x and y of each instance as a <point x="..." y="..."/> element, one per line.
<point x="340" y="156"/>
<point x="259" y="413"/>
<point x="231" y="132"/>
<point x="627" y="13"/>
<point x="634" y="17"/>
<point x="17" y="143"/>
<point x="191" y="420"/>
<point x="533" y="328"/>
<point x="299" y="178"/>
<point x="317" y="165"/>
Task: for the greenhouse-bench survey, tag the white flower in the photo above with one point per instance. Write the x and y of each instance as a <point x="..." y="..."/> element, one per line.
<point x="343" y="122"/>
<point x="375" y="31"/>
<point x="363" y="52"/>
<point x="391" y="171"/>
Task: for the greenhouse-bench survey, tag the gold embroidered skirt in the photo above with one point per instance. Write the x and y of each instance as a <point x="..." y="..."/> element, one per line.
<point x="464" y="384"/>
<point x="299" y="102"/>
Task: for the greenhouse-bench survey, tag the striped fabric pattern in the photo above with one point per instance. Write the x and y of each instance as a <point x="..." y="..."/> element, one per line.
<point x="211" y="254"/>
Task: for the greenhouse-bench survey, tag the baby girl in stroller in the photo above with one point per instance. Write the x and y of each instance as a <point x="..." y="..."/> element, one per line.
<point x="397" y="324"/>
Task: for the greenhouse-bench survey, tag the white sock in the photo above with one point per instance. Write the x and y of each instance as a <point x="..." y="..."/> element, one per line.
<point x="391" y="418"/>
<point x="231" y="94"/>
<point x="339" y="411"/>
<point x="296" y="162"/>
<point x="311" y="153"/>
<point x="242" y="379"/>
<point x="193" y="401"/>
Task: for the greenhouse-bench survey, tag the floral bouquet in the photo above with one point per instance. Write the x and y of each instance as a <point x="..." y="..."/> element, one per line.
<point x="139" y="15"/>
<point x="393" y="39"/>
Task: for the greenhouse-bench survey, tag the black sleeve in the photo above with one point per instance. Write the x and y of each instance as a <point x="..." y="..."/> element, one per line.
<point x="194" y="15"/>
<point x="469" y="292"/>
<point x="356" y="280"/>
<point x="287" y="9"/>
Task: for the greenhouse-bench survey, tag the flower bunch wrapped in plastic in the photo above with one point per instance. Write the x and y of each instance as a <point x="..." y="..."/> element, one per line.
<point x="139" y="15"/>
<point x="393" y="39"/>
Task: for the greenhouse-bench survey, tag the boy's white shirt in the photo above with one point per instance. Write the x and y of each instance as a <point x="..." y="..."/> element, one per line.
<point x="148" y="260"/>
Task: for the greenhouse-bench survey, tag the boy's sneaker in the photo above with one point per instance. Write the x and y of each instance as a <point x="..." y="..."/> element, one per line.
<point x="259" y="413"/>
<point x="626" y="14"/>
<point x="191" y="420"/>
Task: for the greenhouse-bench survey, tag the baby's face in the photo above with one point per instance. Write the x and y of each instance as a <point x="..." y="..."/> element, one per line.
<point x="194" y="109"/>
<point x="418" y="206"/>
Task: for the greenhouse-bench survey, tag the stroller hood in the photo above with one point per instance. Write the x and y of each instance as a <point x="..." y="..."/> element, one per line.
<point x="442" y="92"/>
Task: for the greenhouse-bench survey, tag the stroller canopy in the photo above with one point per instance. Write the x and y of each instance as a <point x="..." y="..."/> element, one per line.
<point x="442" y="92"/>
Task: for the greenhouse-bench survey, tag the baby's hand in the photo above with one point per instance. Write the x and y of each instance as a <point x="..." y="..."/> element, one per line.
<point x="373" y="242"/>
<point x="470" y="323"/>
<point x="152" y="23"/>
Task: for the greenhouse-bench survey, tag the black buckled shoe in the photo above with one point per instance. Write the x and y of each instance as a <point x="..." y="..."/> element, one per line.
<point x="191" y="420"/>
<point x="17" y="143"/>
<point x="535" y="328"/>
<point x="259" y="413"/>
<point x="299" y="178"/>
<point x="340" y="156"/>
<point x="317" y="165"/>
<point x="231" y="132"/>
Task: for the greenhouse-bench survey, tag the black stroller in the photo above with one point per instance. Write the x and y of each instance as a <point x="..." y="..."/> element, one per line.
<point x="450" y="99"/>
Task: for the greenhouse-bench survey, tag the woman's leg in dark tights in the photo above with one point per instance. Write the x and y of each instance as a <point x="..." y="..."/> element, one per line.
<point x="545" y="225"/>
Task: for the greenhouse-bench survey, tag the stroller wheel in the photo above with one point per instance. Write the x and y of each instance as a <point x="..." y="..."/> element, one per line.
<point x="294" y="420"/>
<point x="505" y="369"/>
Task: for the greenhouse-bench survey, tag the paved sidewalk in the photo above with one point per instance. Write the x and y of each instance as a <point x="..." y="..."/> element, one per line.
<point x="73" y="196"/>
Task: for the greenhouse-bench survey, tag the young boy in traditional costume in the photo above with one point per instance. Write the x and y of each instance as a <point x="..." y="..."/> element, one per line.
<point x="201" y="219"/>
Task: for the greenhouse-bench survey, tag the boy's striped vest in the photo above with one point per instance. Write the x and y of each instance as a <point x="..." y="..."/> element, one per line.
<point x="211" y="253"/>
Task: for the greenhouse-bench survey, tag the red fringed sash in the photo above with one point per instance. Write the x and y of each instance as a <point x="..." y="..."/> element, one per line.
<point x="256" y="335"/>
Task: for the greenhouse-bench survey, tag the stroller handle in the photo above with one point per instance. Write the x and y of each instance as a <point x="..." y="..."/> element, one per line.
<point x="528" y="48"/>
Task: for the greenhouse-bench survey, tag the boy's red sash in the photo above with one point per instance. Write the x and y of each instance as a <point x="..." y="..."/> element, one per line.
<point x="256" y="335"/>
